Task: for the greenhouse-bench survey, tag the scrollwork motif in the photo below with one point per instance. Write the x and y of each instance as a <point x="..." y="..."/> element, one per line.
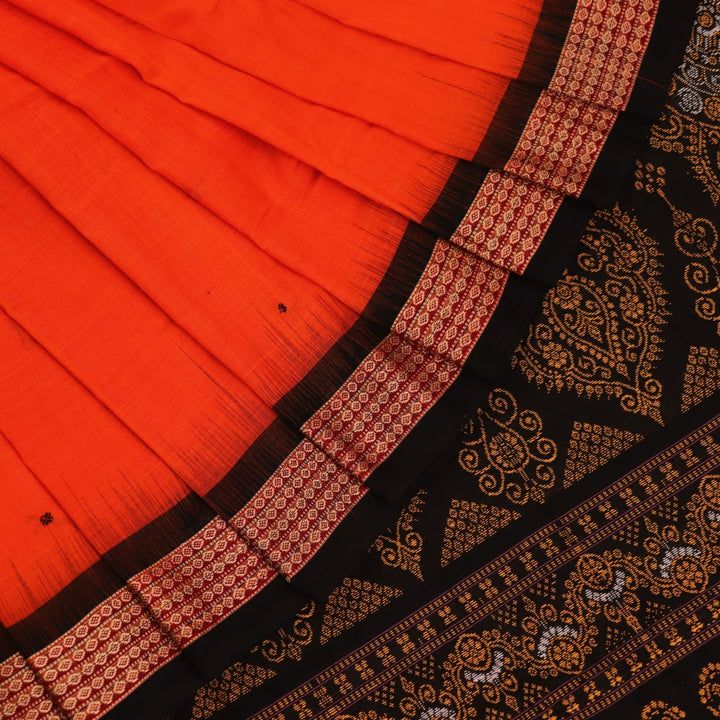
<point x="506" y="451"/>
<point x="289" y="644"/>
<point x="696" y="238"/>
<point x="689" y="124"/>
<point x="403" y="548"/>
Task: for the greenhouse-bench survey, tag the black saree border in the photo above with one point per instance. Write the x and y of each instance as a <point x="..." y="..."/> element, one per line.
<point x="682" y="686"/>
<point x="656" y="451"/>
<point x="523" y="92"/>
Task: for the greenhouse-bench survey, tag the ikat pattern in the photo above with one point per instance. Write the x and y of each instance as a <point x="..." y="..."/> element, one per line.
<point x="698" y="79"/>
<point x="469" y="524"/>
<point x="659" y="710"/>
<point x="351" y="602"/>
<point x="600" y="331"/>
<point x="702" y="376"/>
<point x="709" y="690"/>
<point x="689" y="126"/>
<point x="506" y="451"/>
<point x="470" y="517"/>
<point x="290" y="643"/>
<point x="536" y="622"/>
<point x="231" y="685"/>
<point x="592" y="445"/>
<point x="696" y="238"/>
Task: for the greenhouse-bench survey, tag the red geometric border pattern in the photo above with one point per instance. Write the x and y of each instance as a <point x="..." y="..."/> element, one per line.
<point x="102" y="659"/>
<point x="184" y="598"/>
<point x="604" y="50"/>
<point x="129" y="636"/>
<point x="21" y="695"/>
<point x="401" y="379"/>
<point x="561" y="143"/>
<point x="507" y="220"/>
<point x="565" y="133"/>
<point x="298" y="507"/>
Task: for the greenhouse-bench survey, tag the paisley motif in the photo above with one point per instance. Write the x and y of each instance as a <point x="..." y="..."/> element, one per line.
<point x="600" y="327"/>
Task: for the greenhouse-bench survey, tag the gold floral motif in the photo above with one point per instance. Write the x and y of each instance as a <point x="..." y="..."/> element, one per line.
<point x="555" y="641"/>
<point x="481" y="666"/>
<point x="678" y="562"/>
<point x="606" y="585"/>
<point x="659" y="710"/>
<point x="403" y="549"/>
<point x="424" y="701"/>
<point x="600" y="332"/>
<point x="507" y="452"/>
<point x="709" y="690"/>
<point x="484" y="668"/>
<point x="689" y="125"/>
<point x="697" y="140"/>
<point x="290" y="644"/>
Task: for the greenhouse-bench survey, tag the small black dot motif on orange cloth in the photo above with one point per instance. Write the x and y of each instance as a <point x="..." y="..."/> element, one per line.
<point x="46" y="518"/>
<point x="282" y="307"/>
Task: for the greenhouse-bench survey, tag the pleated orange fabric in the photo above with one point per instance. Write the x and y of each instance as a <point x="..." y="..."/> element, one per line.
<point x="176" y="254"/>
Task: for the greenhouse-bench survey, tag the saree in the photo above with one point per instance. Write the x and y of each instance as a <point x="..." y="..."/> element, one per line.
<point x="275" y="272"/>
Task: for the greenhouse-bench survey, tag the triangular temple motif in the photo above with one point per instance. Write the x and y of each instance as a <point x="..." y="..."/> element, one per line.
<point x="469" y="524"/>
<point x="351" y="602"/>
<point x="235" y="681"/>
<point x="592" y="445"/>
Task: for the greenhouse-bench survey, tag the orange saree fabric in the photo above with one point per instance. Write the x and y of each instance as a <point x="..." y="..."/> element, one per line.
<point x="199" y="199"/>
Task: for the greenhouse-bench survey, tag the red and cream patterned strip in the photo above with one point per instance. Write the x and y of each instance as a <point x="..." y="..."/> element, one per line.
<point x="561" y="143"/>
<point x="119" y="644"/>
<point x="200" y="583"/>
<point x="564" y="134"/>
<point x="409" y="371"/>
<point x="603" y="51"/>
<point x="113" y="649"/>
<point x="21" y="695"/>
<point x="507" y="220"/>
<point x="102" y="659"/>
<point x="389" y="393"/>
<point x="298" y="507"/>
<point x="554" y="157"/>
